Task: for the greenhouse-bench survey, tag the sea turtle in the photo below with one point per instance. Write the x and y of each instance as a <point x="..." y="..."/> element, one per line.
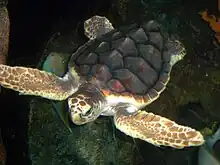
<point x="116" y="73"/>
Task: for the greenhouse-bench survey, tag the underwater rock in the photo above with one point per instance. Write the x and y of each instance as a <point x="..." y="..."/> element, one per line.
<point x="215" y="76"/>
<point x="4" y="32"/>
<point x="4" y="42"/>
<point x="94" y="143"/>
<point x="208" y="155"/>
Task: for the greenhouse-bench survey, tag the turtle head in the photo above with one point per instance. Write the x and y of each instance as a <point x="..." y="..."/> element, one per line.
<point x="86" y="104"/>
<point x="176" y="50"/>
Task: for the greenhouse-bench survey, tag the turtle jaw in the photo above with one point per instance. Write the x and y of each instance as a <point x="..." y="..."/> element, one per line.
<point x="77" y="118"/>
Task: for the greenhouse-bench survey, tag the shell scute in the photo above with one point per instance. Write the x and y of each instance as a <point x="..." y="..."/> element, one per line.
<point x="127" y="78"/>
<point x="138" y="35"/>
<point x="141" y="68"/>
<point x="117" y="35"/>
<point x="103" y="47"/>
<point x="128" y="47"/>
<point x="101" y="72"/>
<point x="113" y="60"/>
<point x="115" y="85"/>
<point x="88" y="59"/>
<point x="130" y="62"/>
<point x="157" y="39"/>
<point x="151" y="55"/>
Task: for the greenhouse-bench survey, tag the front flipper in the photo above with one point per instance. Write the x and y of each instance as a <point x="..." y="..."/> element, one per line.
<point x="31" y="81"/>
<point x="155" y="129"/>
<point x="57" y="63"/>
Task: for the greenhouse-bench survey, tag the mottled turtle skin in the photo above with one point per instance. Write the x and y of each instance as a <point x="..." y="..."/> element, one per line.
<point x="116" y="73"/>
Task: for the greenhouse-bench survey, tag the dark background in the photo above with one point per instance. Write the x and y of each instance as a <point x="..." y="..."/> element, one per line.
<point x="31" y="25"/>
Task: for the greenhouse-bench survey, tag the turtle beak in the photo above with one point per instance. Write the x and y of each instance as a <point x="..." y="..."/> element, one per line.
<point x="77" y="119"/>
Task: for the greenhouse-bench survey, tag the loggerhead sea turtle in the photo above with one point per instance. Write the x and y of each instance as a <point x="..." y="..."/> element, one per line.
<point x="116" y="73"/>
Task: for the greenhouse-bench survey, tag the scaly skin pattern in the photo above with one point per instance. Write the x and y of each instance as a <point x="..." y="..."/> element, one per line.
<point x="157" y="130"/>
<point x="31" y="81"/>
<point x="97" y="26"/>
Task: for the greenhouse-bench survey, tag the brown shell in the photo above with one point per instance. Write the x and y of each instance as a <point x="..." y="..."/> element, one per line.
<point x="131" y="61"/>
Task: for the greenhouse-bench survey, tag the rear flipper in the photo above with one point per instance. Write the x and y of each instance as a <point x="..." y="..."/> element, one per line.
<point x="155" y="129"/>
<point x="97" y="26"/>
